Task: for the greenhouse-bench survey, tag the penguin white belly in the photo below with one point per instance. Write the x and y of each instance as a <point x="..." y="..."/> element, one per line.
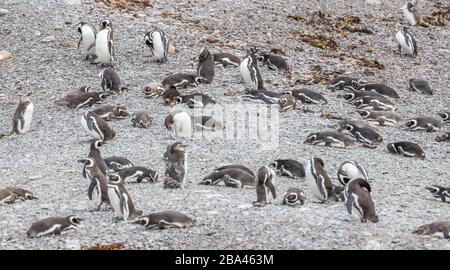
<point x="409" y="17"/>
<point x="27" y="117"/>
<point x="352" y="172"/>
<point x="245" y="72"/>
<point x="133" y="176"/>
<point x="114" y="199"/>
<point x="401" y="39"/>
<point x="158" y="46"/>
<point x="183" y="125"/>
<point x="312" y="184"/>
<point x="88" y="39"/>
<point x="101" y="48"/>
<point x="49" y="230"/>
<point x="183" y="182"/>
<point x="91" y="132"/>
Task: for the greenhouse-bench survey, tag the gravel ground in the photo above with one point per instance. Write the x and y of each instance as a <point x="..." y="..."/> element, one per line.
<point x="44" y="160"/>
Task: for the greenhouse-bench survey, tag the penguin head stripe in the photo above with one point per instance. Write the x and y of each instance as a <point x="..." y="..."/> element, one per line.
<point x="143" y="221"/>
<point x="311" y="138"/>
<point x="29" y="196"/>
<point x="349" y="96"/>
<point x="74" y="220"/>
<point x="411" y="123"/>
<point x="89" y="162"/>
<point x="364" y="113"/>
<point x="147" y="39"/>
<point x="102" y="96"/>
<point x="444" y="116"/>
<point x="98" y="143"/>
<point x="105" y="23"/>
<point x="79" y="27"/>
<point x="115" y="178"/>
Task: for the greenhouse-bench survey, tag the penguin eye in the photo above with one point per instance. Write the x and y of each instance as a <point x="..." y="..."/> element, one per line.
<point x="348" y="127"/>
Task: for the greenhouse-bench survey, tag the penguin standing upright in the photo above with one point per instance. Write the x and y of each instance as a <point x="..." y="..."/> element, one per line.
<point x="319" y="182"/>
<point x="23" y="115"/>
<point x="357" y="196"/>
<point x="104" y="44"/>
<point x="250" y="71"/>
<point x="94" y="152"/>
<point x="98" y="185"/>
<point x="121" y="200"/>
<point x="205" y="67"/>
<point x="176" y="166"/>
<point x="407" y="42"/>
<point x="412" y="14"/>
<point x="158" y="43"/>
<point x="88" y="34"/>
<point x="180" y="123"/>
<point x="264" y="185"/>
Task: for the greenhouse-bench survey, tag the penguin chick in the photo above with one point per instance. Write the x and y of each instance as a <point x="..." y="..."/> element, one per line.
<point x="88" y="35"/>
<point x="176" y="166"/>
<point x="120" y="199"/>
<point x="116" y="163"/>
<point x="226" y="59"/>
<point x="294" y="197"/>
<point x="181" y="80"/>
<point x="421" y="86"/>
<point x="430" y="124"/>
<point x="330" y="138"/>
<point x="96" y="127"/>
<point x="170" y="96"/>
<point x="264" y="185"/>
<point x="153" y="89"/>
<point x="357" y="196"/>
<point x="307" y="96"/>
<point x="382" y="118"/>
<point x="9" y="195"/>
<point x="439" y="192"/>
<point x="342" y="82"/>
<point x="289" y="167"/>
<point x="166" y="219"/>
<point x="406" y="149"/>
<point x="139" y="173"/>
<point x="205" y="67"/>
<point x="319" y="182"/>
<point x="407" y="42"/>
<point x="53" y="225"/>
<point x="274" y="62"/>
<point x="237" y="176"/>
<point x="180" y="123"/>
<point x="141" y="119"/>
<point x="287" y="102"/>
<point x="80" y="98"/>
<point x="109" y="112"/>
<point x="350" y="170"/>
<point x="111" y="81"/>
<point x="432" y="228"/>
<point x="158" y="43"/>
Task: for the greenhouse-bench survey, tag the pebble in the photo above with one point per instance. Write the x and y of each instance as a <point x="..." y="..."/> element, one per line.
<point x="3" y="11"/>
<point x="4" y="55"/>
<point x="48" y="39"/>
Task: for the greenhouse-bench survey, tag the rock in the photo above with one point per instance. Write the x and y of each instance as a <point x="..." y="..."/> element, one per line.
<point x="48" y="39"/>
<point x="3" y="11"/>
<point x="4" y="55"/>
<point x="373" y="245"/>
<point x="171" y="48"/>
<point x="72" y="244"/>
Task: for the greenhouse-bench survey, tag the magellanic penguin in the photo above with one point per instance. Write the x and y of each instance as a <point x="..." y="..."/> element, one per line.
<point x="374" y="103"/>
<point x="180" y="123"/>
<point x="94" y="153"/>
<point x="367" y="136"/>
<point x="181" y="80"/>
<point x="80" y="98"/>
<point x="88" y="34"/>
<point x="141" y="119"/>
<point x="407" y="149"/>
<point x="319" y="182"/>
<point x="9" y="195"/>
<point x="430" y="124"/>
<point x="175" y="157"/>
<point x="104" y="48"/>
<point x="351" y="95"/>
<point x="204" y="122"/>
<point x="289" y="167"/>
<point x="96" y="127"/>
<point x="380" y="88"/>
<point x="342" y="82"/>
<point x="288" y="102"/>
<point x="111" y="81"/>
<point x="153" y="89"/>
<point x="53" y="225"/>
<point x="139" y="173"/>
<point x="205" y="67"/>
<point x="98" y="182"/>
<point x="412" y="14"/>
<point x="274" y="62"/>
<point x="357" y="196"/>
<point x="407" y="42"/>
<point x="382" y="118"/>
<point x="120" y="199"/>
<point x="330" y="138"/>
<point x="116" y="163"/>
<point x="250" y="72"/>
<point x="350" y="170"/>
<point x="226" y="59"/>
<point x="443" y="137"/>
<point x="192" y="100"/>
<point x="265" y="180"/>
<point x="420" y="85"/>
<point x="232" y="175"/>
<point x="307" y="96"/>
<point x="109" y="112"/>
<point x="23" y="116"/>
<point x="342" y="124"/>
<point x="435" y="227"/>
<point x="106" y="23"/>
<point x="439" y="192"/>
<point x="166" y="219"/>
<point x="158" y="43"/>
<point x="445" y="117"/>
<point x="269" y="97"/>
<point x="294" y="197"/>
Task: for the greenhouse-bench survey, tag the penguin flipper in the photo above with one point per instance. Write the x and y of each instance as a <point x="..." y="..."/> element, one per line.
<point x="320" y="181"/>
<point x="124" y="209"/>
<point x="79" y="42"/>
<point x="349" y="203"/>
<point x="91" y="189"/>
<point x="272" y="189"/>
